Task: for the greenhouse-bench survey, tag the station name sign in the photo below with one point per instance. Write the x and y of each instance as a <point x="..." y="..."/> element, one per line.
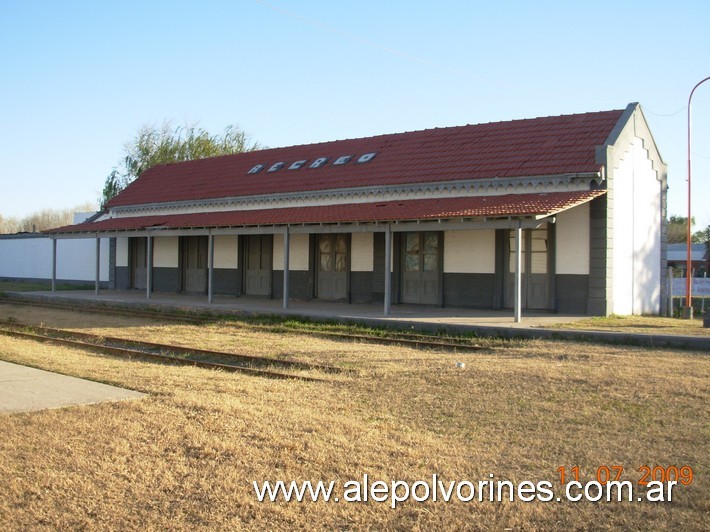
<point x="316" y="163"/>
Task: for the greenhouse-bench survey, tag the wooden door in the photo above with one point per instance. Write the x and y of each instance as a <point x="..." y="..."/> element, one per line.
<point x="138" y="262"/>
<point x="535" y="277"/>
<point x="257" y="265"/>
<point x="332" y="260"/>
<point x="194" y="253"/>
<point x="421" y="268"/>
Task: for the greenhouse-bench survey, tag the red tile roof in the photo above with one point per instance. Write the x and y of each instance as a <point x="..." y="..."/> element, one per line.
<point x="533" y="147"/>
<point x="409" y="210"/>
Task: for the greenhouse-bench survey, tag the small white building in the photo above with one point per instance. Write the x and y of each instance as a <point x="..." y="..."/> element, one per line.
<point x="564" y="214"/>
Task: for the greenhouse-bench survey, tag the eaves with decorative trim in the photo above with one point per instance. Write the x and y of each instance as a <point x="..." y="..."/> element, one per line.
<point x="531" y="206"/>
<point x="447" y="189"/>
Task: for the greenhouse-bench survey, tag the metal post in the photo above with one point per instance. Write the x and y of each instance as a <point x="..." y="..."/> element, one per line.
<point x="54" y="264"/>
<point x="98" y="264"/>
<point x="287" y="252"/>
<point x="518" y="274"/>
<point x="210" y="268"/>
<point x="688" y="310"/>
<point x="388" y="270"/>
<point x="149" y="268"/>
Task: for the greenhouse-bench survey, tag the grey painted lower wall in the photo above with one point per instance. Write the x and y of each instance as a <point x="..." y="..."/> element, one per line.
<point x="572" y="293"/>
<point x="469" y="290"/>
<point x="226" y="281"/>
<point x="112" y="264"/>
<point x="378" y="274"/>
<point x="299" y="285"/>
<point x="462" y="290"/>
<point x="361" y="287"/>
<point x="123" y="281"/>
<point x="166" y="280"/>
<point x="600" y="301"/>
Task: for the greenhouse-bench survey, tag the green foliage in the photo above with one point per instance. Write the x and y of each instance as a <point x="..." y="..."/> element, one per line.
<point x="111" y="187"/>
<point x="701" y="237"/>
<point x="153" y="146"/>
<point x="678" y="232"/>
<point x="678" y="229"/>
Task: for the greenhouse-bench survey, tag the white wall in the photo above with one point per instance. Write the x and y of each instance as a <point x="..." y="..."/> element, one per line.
<point x="298" y="253"/>
<point x="165" y="252"/>
<point x="637" y="234"/>
<point x="362" y="251"/>
<point x="122" y="251"/>
<point x="31" y="258"/>
<point x="225" y="251"/>
<point x="470" y="251"/>
<point x="572" y="241"/>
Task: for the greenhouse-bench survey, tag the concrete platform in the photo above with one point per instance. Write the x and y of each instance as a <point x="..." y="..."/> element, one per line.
<point x="313" y="309"/>
<point x="24" y="389"/>
<point x="489" y="323"/>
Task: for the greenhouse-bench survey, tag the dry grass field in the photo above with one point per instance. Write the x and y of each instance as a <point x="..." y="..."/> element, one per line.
<point x="185" y="456"/>
<point x="640" y="324"/>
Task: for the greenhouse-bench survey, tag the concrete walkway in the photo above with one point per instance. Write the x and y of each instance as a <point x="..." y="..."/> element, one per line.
<point x="317" y="309"/>
<point x="489" y="323"/>
<point x="24" y="389"/>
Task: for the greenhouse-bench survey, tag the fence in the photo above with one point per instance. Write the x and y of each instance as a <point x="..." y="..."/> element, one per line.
<point x="700" y="290"/>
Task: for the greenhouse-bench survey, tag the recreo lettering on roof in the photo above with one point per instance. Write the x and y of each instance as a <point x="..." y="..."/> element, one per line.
<point x="319" y="162"/>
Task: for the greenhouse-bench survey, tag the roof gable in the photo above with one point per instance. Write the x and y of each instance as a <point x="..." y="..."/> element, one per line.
<point x="532" y="147"/>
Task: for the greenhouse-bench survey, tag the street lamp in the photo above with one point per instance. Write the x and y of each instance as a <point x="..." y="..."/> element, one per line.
<point x="688" y="311"/>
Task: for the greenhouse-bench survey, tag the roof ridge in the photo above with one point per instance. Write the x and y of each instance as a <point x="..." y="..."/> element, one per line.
<point x="398" y="133"/>
<point x="436" y="128"/>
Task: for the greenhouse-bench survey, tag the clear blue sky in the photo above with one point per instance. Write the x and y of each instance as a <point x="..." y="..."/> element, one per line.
<point x="80" y="78"/>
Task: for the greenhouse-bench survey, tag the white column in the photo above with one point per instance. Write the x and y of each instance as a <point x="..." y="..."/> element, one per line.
<point x="388" y="270"/>
<point x="98" y="264"/>
<point x="518" y="274"/>
<point x="287" y="252"/>
<point x="149" y="268"/>
<point x="54" y="264"/>
<point x="210" y="268"/>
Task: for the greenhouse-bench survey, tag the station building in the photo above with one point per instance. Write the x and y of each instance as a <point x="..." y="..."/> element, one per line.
<point x="562" y="214"/>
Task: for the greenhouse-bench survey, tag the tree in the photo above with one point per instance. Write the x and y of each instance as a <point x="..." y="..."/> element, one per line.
<point x="678" y="229"/>
<point x="163" y="145"/>
<point x="42" y="220"/>
<point x="8" y="225"/>
<point x="678" y="233"/>
<point x="703" y="237"/>
<point x="700" y="237"/>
